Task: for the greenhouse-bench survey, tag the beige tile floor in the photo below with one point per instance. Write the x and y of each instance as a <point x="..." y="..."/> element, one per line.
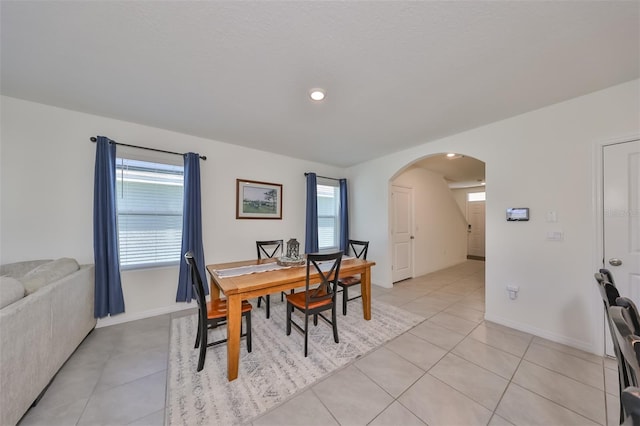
<point x="452" y="369"/>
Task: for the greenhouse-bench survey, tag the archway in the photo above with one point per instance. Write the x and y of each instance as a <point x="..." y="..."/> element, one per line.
<point x="439" y="213"/>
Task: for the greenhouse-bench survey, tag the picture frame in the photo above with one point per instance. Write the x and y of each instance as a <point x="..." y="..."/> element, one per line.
<point x="258" y="200"/>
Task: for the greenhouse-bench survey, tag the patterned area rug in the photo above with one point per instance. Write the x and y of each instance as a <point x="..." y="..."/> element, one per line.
<point x="276" y="369"/>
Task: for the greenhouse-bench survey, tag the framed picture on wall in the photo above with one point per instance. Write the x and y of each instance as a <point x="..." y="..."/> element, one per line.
<point x="258" y="200"/>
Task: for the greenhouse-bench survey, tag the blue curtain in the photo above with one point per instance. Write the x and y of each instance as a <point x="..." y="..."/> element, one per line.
<point x="108" y="287"/>
<point x="311" y="229"/>
<point x="191" y="228"/>
<point x="344" y="217"/>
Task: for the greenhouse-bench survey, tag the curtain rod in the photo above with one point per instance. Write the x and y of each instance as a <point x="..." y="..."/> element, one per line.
<point x="94" y="139"/>
<point x="324" y="177"/>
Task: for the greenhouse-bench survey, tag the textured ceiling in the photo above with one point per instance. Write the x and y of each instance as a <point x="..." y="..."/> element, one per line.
<point x="397" y="74"/>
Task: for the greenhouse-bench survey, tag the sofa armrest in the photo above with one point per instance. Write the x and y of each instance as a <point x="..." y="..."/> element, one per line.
<point x="38" y="334"/>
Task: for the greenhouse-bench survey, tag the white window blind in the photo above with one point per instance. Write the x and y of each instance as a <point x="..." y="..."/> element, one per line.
<point x="328" y="214"/>
<point x="149" y="203"/>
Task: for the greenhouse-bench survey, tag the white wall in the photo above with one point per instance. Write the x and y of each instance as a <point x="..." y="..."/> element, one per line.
<point x="440" y="229"/>
<point x="543" y="160"/>
<point x="46" y="208"/>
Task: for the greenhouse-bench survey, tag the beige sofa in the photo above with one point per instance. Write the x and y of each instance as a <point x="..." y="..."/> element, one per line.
<point x="41" y="324"/>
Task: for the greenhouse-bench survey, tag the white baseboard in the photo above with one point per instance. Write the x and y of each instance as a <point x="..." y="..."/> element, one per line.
<point x="578" y="344"/>
<point x="124" y="317"/>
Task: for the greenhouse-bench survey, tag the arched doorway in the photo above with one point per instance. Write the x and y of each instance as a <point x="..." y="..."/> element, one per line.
<point x="439" y="213"/>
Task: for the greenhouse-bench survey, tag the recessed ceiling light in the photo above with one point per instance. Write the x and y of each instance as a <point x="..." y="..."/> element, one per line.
<point x="317" y="94"/>
<point x="453" y="156"/>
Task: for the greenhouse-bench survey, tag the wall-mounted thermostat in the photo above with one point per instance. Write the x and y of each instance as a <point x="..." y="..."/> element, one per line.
<point x="518" y="214"/>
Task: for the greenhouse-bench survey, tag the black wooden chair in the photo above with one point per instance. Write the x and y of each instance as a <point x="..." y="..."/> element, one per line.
<point x="359" y="250"/>
<point x="626" y="320"/>
<point x="268" y="250"/>
<point x="607" y="275"/>
<point x="212" y="314"/>
<point x="610" y="294"/>
<point x="630" y="398"/>
<point x="315" y="300"/>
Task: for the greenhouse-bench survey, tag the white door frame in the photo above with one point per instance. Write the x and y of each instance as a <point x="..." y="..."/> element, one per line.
<point x="598" y="252"/>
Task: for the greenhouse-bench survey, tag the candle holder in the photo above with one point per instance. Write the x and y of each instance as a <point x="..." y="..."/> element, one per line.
<point x="292" y="257"/>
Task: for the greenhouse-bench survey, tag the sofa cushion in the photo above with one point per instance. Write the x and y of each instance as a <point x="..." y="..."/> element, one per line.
<point x="19" y="269"/>
<point x="47" y="273"/>
<point x="11" y="290"/>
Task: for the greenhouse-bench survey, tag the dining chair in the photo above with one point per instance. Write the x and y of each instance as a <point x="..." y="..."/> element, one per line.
<point x="359" y="250"/>
<point x="212" y="314"/>
<point x="625" y="319"/>
<point x="316" y="299"/>
<point x="607" y="275"/>
<point x="269" y="249"/>
<point x="630" y="398"/>
<point x="610" y="294"/>
<point x="633" y="313"/>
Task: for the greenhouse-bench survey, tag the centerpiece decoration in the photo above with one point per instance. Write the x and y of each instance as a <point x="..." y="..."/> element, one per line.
<point x="292" y="257"/>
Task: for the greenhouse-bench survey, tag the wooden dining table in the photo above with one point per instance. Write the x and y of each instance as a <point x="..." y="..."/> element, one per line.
<point x="242" y="287"/>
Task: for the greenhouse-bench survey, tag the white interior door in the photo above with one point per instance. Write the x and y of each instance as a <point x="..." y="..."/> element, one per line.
<point x="621" y="216"/>
<point x="476" y="234"/>
<point x="401" y="232"/>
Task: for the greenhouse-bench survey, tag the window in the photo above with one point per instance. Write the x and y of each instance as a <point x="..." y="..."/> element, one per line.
<point x="149" y="203"/>
<point x="476" y="196"/>
<point x="328" y="214"/>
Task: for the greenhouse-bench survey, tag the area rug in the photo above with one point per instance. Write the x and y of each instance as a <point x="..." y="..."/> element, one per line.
<point x="276" y="369"/>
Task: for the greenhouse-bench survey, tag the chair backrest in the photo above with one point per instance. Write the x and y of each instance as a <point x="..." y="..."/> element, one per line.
<point x="632" y="313"/>
<point x="359" y="248"/>
<point x="328" y="268"/>
<point x="630" y="399"/>
<point x="198" y="286"/>
<point x="628" y="341"/>
<point x="269" y="249"/>
<point x="608" y="290"/>
<point x="608" y="275"/>
<point x="609" y="294"/>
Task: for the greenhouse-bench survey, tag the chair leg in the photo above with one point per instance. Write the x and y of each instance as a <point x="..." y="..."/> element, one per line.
<point x="315" y="320"/>
<point x="248" y="321"/>
<point x="334" y="322"/>
<point x="198" y="333"/>
<point x="622" y="415"/>
<point x="203" y="346"/>
<point x="306" y="331"/>
<point x="345" y="298"/>
<point x="289" y="309"/>
<point x="259" y="300"/>
<point x="268" y="303"/>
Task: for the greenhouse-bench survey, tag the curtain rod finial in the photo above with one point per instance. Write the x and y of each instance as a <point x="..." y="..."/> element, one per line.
<point x="93" y="139"/>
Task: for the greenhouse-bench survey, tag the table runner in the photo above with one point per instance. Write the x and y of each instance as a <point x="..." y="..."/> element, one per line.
<point x="252" y="269"/>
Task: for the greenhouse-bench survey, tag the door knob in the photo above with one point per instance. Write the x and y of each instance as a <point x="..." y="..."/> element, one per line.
<point x="615" y="261"/>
